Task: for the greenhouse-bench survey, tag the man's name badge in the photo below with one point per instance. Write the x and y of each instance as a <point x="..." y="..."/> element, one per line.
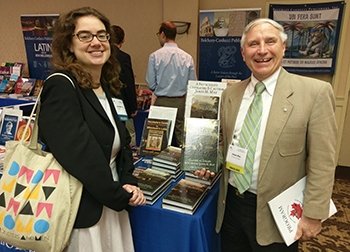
<point x="120" y="108"/>
<point x="235" y="158"/>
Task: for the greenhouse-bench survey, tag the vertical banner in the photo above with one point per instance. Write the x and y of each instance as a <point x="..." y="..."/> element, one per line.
<point x="313" y="34"/>
<point x="220" y="34"/>
<point x="37" y="33"/>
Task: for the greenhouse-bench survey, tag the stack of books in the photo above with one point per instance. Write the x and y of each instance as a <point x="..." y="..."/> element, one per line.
<point x="185" y="196"/>
<point x="153" y="183"/>
<point x="210" y="181"/>
<point x="169" y="160"/>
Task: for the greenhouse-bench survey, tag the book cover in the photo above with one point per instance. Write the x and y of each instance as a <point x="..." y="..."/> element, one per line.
<point x="151" y="181"/>
<point x="4" y="80"/>
<point x="24" y="86"/>
<point x="186" y="194"/>
<point x="37" y="86"/>
<point x="171" y="156"/>
<point x="9" y="123"/>
<point x="154" y="136"/>
<point x="167" y="113"/>
<point x="201" y="145"/>
<point x="203" y="99"/>
<point x="10" y="86"/>
<point x="287" y="209"/>
<point x="150" y="200"/>
<point x="20" y="130"/>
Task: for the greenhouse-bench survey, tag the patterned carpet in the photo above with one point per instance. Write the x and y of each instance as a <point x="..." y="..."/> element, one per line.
<point x="335" y="234"/>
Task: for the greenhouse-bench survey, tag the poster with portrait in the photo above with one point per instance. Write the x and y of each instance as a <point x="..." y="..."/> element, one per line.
<point x="220" y="34"/>
<point x="37" y="33"/>
<point x="313" y="34"/>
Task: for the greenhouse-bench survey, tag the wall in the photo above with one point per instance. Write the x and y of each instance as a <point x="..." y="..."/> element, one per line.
<point x="141" y="20"/>
<point x="340" y="80"/>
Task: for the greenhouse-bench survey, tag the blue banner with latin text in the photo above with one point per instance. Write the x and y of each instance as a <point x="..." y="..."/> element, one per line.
<point x="37" y="33"/>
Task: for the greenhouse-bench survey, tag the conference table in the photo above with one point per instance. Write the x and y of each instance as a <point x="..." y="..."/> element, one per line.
<point x="25" y="105"/>
<point x="161" y="230"/>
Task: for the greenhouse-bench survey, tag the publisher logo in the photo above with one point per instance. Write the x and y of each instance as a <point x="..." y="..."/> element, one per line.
<point x="295" y="210"/>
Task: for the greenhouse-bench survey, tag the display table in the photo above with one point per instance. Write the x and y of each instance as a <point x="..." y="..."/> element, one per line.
<point x="25" y="105"/>
<point x="161" y="230"/>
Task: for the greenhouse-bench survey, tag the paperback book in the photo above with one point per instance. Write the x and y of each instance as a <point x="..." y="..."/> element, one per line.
<point x="203" y="99"/>
<point x="24" y="86"/>
<point x="21" y="128"/>
<point x="154" y="136"/>
<point x="185" y="195"/>
<point x="10" y="85"/>
<point x="201" y="145"/>
<point x="287" y="209"/>
<point x="3" y="82"/>
<point x="10" y="119"/>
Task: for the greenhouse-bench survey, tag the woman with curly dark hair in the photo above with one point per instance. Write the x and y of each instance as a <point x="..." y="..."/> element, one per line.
<point x="80" y="124"/>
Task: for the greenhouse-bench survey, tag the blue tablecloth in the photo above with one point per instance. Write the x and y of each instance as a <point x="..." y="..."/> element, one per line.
<point x="9" y="248"/>
<point x="161" y="230"/>
<point x="4" y="102"/>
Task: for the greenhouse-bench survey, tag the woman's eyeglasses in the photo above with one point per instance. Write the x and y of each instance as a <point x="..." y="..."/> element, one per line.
<point x="86" y="36"/>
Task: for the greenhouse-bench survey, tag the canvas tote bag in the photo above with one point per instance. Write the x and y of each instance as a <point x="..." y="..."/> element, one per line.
<point x="39" y="200"/>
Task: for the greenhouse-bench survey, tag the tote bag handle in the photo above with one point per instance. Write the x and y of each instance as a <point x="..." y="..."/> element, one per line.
<point x="33" y="143"/>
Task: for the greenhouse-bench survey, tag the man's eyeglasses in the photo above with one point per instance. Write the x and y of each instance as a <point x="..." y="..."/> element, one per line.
<point x="86" y="36"/>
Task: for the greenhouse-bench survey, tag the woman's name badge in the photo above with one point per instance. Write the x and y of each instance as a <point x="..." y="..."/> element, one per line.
<point x="120" y="108"/>
<point x="235" y="158"/>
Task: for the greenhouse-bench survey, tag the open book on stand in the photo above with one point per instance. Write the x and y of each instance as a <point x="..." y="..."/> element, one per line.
<point x="203" y="99"/>
<point x="167" y="113"/>
<point x="287" y="209"/>
<point x="154" y="136"/>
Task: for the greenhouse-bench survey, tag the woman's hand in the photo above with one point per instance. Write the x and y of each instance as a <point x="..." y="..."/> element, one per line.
<point x="137" y="199"/>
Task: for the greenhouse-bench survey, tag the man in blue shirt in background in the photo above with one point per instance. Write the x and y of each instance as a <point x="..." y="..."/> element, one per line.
<point x="169" y="70"/>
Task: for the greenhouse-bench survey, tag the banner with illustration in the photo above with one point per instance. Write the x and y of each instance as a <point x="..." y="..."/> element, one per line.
<point x="313" y="33"/>
<point x="37" y="33"/>
<point x="220" y="33"/>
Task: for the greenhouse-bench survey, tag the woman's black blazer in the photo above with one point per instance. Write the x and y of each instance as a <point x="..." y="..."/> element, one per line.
<point x="76" y="130"/>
